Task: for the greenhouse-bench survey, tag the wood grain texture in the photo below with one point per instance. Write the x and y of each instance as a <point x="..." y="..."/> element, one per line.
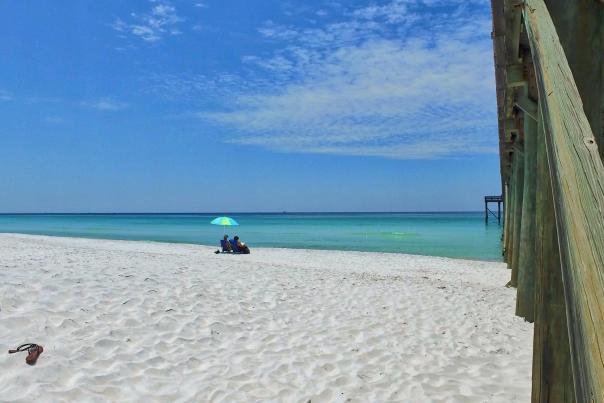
<point x="552" y="372"/>
<point x="498" y="35"/>
<point x="580" y="27"/>
<point x="577" y="176"/>
<point x="512" y="214"/>
<point x="525" y="300"/>
<point x="518" y="185"/>
<point x="506" y="214"/>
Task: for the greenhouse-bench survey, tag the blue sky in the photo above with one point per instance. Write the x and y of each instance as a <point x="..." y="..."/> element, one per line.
<point x="233" y="105"/>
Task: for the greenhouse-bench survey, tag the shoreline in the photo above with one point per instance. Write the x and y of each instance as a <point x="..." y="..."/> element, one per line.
<point x="133" y="320"/>
<point x="468" y="259"/>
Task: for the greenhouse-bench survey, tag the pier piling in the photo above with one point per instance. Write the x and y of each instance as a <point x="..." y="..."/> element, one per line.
<point x="550" y="96"/>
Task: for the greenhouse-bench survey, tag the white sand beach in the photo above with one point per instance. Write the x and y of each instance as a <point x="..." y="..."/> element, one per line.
<point x="143" y="321"/>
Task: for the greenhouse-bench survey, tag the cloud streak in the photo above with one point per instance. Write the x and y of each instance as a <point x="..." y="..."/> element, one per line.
<point x="399" y="79"/>
<point x="161" y="20"/>
<point x="105" y="104"/>
<point x="5" y="96"/>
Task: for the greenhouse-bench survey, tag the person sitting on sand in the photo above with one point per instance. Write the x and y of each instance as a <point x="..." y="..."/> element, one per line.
<point x="225" y="245"/>
<point x="239" y="247"/>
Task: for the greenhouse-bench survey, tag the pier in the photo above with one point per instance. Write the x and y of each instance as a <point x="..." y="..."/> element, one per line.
<point x="549" y="71"/>
<point x="487" y="210"/>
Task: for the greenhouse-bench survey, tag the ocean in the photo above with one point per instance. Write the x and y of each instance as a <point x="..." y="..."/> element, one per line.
<point x="457" y="235"/>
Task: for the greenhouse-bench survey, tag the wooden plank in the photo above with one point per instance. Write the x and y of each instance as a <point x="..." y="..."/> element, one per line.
<point x="577" y="175"/>
<point x="580" y="27"/>
<point x="514" y="75"/>
<point x="512" y="218"/>
<point x="527" y="105"/>
<point x="514" y="26"/>
<point x="518" y="193"/>
<point x="499" y="50"/>
<point x="510" y="129"/>
<point x="506" y="227"/>
<point x="525" y="301"/>
<point x="552" y="372"/>
<point x="510" y="221"/>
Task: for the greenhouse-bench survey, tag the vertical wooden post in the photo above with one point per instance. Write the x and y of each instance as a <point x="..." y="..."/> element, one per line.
<point x="505" y="214"/>
<point x="518" y="215"/>
<point x="552" y="374"/>
<point x="525" y="301"/>
<point x="506" y="221"/>
<point x="499" y="212"/>
<point x="510" y="222"/>
<point x="577" y="176"/>
<point x="514" y="205"/>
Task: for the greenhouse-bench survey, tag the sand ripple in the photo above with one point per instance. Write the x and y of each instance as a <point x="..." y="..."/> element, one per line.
<point x="135" y="321"/>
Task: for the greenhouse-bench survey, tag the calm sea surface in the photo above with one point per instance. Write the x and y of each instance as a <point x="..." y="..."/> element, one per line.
<point x="461" y="235"/>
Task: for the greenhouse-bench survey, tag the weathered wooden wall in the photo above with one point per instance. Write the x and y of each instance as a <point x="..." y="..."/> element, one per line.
<point x="580" y="28"/>
<point x="549" y="67"/>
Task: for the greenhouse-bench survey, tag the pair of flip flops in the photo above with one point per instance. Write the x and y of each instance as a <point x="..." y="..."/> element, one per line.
<point x="33" y="352"/>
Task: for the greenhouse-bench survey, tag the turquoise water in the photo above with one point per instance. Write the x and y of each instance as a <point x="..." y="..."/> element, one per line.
<point x="461" y="235"/>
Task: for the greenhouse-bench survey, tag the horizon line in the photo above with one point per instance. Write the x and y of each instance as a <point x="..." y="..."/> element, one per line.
<point x="242" y="212"/>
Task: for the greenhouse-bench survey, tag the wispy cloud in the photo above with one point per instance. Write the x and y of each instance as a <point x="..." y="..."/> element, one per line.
<point x="5" y="96"/>
<point x="36" y="99"/>
<point x="159" y="21"/>
<point x="396" y="11"/>
<point x="399" y="79"/>
<point x="105" y="104"/>
<point x="42" y="100"/>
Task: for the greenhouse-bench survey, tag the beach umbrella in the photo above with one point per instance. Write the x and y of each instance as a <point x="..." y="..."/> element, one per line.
<point x="224" y="221"/>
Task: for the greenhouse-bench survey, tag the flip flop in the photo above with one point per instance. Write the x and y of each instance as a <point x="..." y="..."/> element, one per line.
<point x="33" y="351"/>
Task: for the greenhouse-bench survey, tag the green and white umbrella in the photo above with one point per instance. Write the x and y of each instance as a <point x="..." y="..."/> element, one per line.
<point x="224" y="221"/>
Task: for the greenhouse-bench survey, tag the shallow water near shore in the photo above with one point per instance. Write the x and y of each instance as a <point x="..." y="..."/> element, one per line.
<point x="457" y="235"/>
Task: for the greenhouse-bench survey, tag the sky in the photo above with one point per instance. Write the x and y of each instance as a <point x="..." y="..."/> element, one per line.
<point x="246" y="105"/>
